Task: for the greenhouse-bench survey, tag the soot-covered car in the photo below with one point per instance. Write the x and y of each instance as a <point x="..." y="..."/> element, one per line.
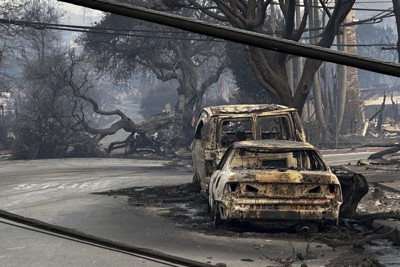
<point x="274" y="181"/>
<point x="218" y="127"/>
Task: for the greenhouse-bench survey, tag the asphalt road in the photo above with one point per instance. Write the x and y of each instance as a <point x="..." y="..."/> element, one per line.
<point x="60" y="192"/>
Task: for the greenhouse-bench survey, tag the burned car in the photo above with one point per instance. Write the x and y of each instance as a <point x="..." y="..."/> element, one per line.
<point x="274" y="181"/>
<point x="218" y="127"/>
<point x="140" y="141"/>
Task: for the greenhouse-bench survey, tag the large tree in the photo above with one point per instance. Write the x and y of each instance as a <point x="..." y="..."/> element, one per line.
<point x="10" y="10"/>
<point x="137" y="46"/>
<point x="270" y="67"/>
<point x="45" y="124"/>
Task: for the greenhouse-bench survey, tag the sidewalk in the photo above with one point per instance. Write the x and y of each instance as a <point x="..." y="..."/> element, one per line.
<point x="351" y="150"/>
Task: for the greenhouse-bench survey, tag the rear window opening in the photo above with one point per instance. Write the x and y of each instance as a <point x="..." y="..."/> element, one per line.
<point x="274" y="127"/>
<point x="233" y="130"/>
<point x="265" y="159"/>
<point x="274" y="164"/>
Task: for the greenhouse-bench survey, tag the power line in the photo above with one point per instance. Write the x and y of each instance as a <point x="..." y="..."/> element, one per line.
<point x="44" y="24"/>
<point x="242" y="36"/>
<point x="365" y="45"/>
<point x="109" y="31"/>
<point x="354" y="8"/>
<point x="126" y="32"/>
<point x="373" y="2"/>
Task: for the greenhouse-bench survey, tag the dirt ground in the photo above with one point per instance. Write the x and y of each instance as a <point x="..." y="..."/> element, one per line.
<point x="189" y="210"/>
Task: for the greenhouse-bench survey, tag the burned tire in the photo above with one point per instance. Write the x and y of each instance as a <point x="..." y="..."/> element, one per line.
<point x="216" y="216"/>
<point x="196" y="186"/>
<point x="208" y="208"/>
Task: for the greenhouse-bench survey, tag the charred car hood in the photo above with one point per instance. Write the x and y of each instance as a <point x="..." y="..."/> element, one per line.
<point x="288" y="176"/>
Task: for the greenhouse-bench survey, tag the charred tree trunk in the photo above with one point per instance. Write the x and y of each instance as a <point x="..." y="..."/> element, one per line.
<point x="395" y="110"/>
<point x="380" y="116"/>
<point x="319" y="110"/>
<point x="187" y="98"/>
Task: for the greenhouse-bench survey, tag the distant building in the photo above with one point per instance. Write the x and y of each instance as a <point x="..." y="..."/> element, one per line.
<point x="373" y="99"/>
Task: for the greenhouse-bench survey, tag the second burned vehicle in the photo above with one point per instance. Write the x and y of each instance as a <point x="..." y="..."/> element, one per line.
<point x="218" y="127"/>
<point x="278" y="182"/>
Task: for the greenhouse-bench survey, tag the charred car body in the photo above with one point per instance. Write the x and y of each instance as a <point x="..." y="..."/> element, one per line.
<point x="140" y="141"/>
<point x="218" y="127"/>
<point x="279" y="182"/>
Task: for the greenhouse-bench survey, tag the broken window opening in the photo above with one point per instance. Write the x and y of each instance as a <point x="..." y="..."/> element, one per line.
<point x="274" y="163"/>
<point x="283" y="161"/>
<point x="197" y="134"/>
<point x="233" y="130"/>
<point x="274" y="128"/>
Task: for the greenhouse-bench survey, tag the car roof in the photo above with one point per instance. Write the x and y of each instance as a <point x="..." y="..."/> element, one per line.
<point x="244" y="108"/>
<point x="273" y="144"/>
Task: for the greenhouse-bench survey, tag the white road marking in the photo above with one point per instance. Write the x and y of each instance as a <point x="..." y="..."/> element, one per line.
<point x="25" y="186"/>
<point x="83" y="185"/>
<point x="74" y="185"/>
<point x="62" y="186"/>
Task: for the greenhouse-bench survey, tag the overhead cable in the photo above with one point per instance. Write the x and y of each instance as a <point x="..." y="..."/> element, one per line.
<point x="242" y="36"/>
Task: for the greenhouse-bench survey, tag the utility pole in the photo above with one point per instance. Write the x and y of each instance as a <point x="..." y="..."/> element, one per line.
<point x="396" y="10"/>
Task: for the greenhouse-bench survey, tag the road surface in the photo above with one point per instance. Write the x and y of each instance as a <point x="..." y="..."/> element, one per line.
<point x="62" y="192"/>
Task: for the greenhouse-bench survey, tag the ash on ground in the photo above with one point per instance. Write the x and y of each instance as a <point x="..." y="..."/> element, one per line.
<point x="379" y="200"/>
<point x="188" y="209"/>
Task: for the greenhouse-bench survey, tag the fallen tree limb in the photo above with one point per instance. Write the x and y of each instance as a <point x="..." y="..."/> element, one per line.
<point x="118" y="144"/>
<point x="380" y="154"/>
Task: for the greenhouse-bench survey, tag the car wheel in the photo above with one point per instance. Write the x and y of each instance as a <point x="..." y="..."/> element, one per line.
<point x="196" y="183"/>
<point x="216" y="215"/>
<point x="209" y="210"/>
